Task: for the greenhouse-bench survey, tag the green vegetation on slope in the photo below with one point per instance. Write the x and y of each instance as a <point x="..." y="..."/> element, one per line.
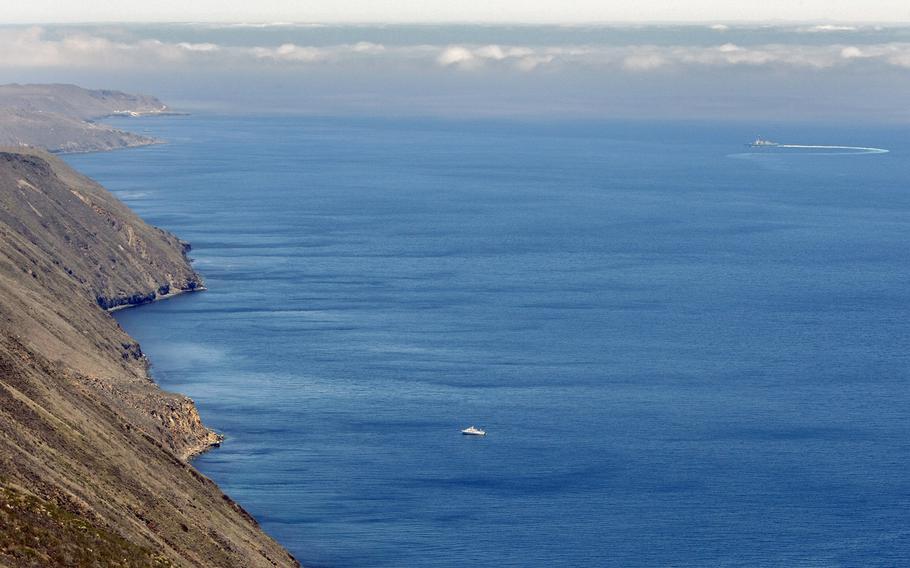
<point x="38" y="533"/>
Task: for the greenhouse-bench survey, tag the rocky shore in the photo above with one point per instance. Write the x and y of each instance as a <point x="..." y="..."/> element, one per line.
<point x="93" y="455"/>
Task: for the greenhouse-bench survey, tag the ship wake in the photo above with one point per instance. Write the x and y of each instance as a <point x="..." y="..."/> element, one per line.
<point x="836" y="149"/>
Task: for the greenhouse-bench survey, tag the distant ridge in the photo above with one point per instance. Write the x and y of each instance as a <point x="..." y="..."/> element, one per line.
<point x="60" y="118"/>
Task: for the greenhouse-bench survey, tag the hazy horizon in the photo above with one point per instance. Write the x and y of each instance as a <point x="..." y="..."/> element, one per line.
<point x="783" y="72"/>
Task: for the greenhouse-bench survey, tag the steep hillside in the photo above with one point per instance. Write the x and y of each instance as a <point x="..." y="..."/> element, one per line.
<point x="60" y="117"/>
<point x="92" y="453"/>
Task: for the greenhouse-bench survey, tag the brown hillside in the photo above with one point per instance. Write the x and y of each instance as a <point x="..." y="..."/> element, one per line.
<point x="93" y="469"/>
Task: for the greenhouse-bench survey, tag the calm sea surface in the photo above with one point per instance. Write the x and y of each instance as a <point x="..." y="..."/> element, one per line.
<point x="684" y="354"/>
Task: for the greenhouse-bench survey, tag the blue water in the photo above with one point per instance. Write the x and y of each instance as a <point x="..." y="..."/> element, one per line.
<point x="684" y="353"/>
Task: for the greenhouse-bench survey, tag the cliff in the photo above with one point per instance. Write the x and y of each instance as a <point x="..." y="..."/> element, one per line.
<point x="60" y="118"/>
<point x="93" y="454"/>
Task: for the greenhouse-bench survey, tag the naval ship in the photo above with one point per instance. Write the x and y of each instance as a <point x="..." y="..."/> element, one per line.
<point x="762" y="143"/>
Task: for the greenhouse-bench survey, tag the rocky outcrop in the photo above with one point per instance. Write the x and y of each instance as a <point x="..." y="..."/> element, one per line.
<point x="61" y="118"/>
<point x="165" y="290"/>
<point x="86" y="438"/>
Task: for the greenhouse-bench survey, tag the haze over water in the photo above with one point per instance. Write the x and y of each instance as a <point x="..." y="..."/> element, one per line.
<point x="683" y="355"/>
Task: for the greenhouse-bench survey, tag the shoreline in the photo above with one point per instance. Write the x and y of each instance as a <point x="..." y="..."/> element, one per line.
<point x="213" y="442"/>
<point x="215" y="438"/>
<point x="158" y="298"/>
<point x="153" y="142"/>
<point x="126" y="114"/>
<point x="87" y="428"/>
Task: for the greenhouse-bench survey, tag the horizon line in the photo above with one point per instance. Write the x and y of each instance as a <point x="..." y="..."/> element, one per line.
<point x="529" y="23"/>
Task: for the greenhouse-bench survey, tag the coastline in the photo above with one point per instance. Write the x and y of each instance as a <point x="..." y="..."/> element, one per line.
<point x="158" y="298"/>
<point x="113" y="448"/>
<point x="214" y="439"/>
<point x="143" y="142"/>
<point x="150" y="142"/>
<point x="67" y="119"/>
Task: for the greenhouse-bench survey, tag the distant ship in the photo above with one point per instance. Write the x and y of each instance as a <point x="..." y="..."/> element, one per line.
<point x="762" y="143"/>
<point x="472" y="431"/>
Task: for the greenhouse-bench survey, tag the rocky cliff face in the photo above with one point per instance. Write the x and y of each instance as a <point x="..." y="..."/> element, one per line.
<point x="60" y="117"/>
<point x="92" y="453"/>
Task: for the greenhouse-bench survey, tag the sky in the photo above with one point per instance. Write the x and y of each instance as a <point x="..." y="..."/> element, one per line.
<point x="489" y="11"/>
<point x="753" y="72"/>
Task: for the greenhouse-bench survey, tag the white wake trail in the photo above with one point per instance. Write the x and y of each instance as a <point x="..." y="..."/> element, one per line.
<point x="859" y="149"/>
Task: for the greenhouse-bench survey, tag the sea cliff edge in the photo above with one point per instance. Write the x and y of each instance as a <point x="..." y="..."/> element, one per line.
<point x="94" y="464"/>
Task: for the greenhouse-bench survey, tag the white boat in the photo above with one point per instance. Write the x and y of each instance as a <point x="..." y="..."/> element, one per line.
<point x="473" y="431"/>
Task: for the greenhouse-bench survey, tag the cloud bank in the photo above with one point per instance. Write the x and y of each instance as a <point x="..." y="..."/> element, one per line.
<point x="34" y="47"/>
<point x="710" y="70"/>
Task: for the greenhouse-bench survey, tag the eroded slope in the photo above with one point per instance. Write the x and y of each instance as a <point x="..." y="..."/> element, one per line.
<point x="84" y="434"/>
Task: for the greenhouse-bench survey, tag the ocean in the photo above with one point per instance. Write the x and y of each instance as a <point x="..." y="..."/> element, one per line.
<point x="684" y="352"/>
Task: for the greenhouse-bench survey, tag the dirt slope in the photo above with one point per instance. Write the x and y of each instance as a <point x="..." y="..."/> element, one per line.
<point x="92" y="453"/>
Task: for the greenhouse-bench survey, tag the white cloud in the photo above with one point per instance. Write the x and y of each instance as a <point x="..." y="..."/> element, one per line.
<point x="826" y="28"/>
<point x="727" y="54"/>
<point x="289" y="52"/>
<point x="468" y="58"/>
<point x="491" y="52"/>
<point x="895" y="54"/>
<point x="367" y="47"/>
<point x="32" y="48"/>
<point x="457" y="56"/>
<point x="204" y="47"/>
